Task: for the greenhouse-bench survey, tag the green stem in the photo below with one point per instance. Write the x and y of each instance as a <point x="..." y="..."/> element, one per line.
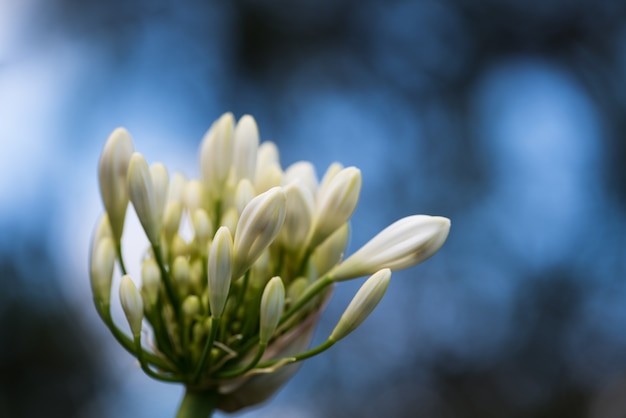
<point x="198" y="404"/>
<point x="302" y="356"/>
<point x="205" y="358"/>
<point x="309" y="293"/>
<point x="169" y="287"/>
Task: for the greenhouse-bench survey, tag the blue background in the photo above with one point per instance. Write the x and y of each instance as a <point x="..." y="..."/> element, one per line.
<point x="505" y="116"/>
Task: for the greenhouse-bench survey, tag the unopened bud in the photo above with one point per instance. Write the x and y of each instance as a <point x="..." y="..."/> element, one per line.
<point x="258" y="226"/>
<point x="216" y="153"/>
<point x="362" y="304"/>
<point x="101" y="269"/>
<point x="220" y="270"/>
<point x="336" y="204"/>
<point x="246" y="146"/>
<point x="143" y="197"/>
<point x="403" y="244"/>
<point x="272" y="304"/>
<point x="131" y="304"/>
<point x="112" y="177"/>
<point x="150" y="280"/>
<point x="181" y="274"/>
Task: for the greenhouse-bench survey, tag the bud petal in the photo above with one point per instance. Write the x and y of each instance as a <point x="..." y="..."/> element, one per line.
<point x="404" y="243"/>
<point x="258" y="226"/>
<point x="298" y="217"/>
<point x="160" y="183"/>
<point x="112" y="176"/>
<point x="362" y="304"/>
<point x="336" y="203"/>
<point x="101" y="269"/>
<point x="220" y="270"/>
<point x="246" y="146"/>
<point x="181" y="274"/>
<point x="131" y="304"/>
<point x="272" y="303"/>
<point x="143" y="196"/>
<point x="330" y="252"/>
<point x="150" y="281"/>
<point x="216" y="154"/>
<point x="243" y="195"/>
<point x="304" y="172"/>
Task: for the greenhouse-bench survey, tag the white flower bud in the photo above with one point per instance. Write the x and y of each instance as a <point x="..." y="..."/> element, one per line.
<point x="220" y="270"/>
<point x="298" y="217"/>
<point x="112" y="176"/>
<point x="362" y="304"/>
<point x="181" y="274"/>
<point x="131" y="304"/>
<point x="272" y="303"/>
<point x="177" y="188"/>
<point x="150" y="281"/>
<point x="143" y="197"/>
<point x="202" y="226"/>
<point x="230" y="219"/>
<point x="244" y="194"/>
<point x="216" y="154"/>
<point x="103" y="230"/>
<point x="101" y="269"/>
<point x="330" y="252"/>
<point x="331" y="172"/>
<point x="304" y="172"/>
<point x="403" y="244"/>
<point x="161" y="184"/>
<point x="171" y="219"/>
<point x="267" y="156"/>
<point x="191" y="306"/>
<point x="272" y="176"/>
<point x="194" y="196"/>
<point x="336" y="203"/>
<point x="258" y="226"/>
<point x="246" y="146"/>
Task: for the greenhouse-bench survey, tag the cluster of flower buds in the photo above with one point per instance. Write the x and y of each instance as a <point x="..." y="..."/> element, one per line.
<point x="232" y="308"/>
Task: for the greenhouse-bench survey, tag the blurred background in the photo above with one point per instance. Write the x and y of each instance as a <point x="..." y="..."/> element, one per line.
<point x="508" y="117"/>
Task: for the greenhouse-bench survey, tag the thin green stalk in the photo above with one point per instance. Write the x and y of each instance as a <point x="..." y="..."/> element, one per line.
<point x="241" y="370"/>
<point x="299" y="357"/>
<point x="125" y="341"/>
<point x="198" y="404"/>
<point x="146" y="367"/>
<point x="169" y="287"/>
<point x="205" y="359"/>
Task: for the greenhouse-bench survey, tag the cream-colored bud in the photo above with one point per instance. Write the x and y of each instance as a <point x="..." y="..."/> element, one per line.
<point x="131" y="304"/>
<point x="267" y="156"/>
<point x="161" y="184"/>
<point x="272" y="304"/>
<point x="177" y="188"/>
<point x="230" y="218"/>
<point x="403" y="244"/>
<point x="330" y="252"/>
<point x="103" y="230"/>
<point x="362" y="304"/>
<point x="272" y="176"/>
<point x="101" y="269"/>
<point x="112" y="171"/>
<point x="143" y="197"/>
<point x="220" y="270"/>
<point x="191" y="306"/>
<point x="296" y="289"/>
<point x="194" y="196"/>
<point x="336" y="204"/>
<point x="331" y="172"/>
<point x="304" y="172"/>
<point x="244" y="194"/>
<point x="298" y="217"/>
<point x="246" y="146"/>
<point x="150" y="280"/>
<point x="171" y="219"/>
<point x="197" y="279"/>
<point x="258" y="226"/>
<point x="216" y="154"/>
<point x="181" y="274"/>
<point x="202" y="226"/>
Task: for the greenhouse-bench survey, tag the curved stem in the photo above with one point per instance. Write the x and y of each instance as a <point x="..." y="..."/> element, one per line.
<point x="205" y="358"/>
<point x="198" y="404"/>
<point x="125" y="341"/>
<point x="146" y="367"/>
<point x="241" y="370"/>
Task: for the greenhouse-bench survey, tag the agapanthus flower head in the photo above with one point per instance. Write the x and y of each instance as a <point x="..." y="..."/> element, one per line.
<point x="241" y="261"/>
